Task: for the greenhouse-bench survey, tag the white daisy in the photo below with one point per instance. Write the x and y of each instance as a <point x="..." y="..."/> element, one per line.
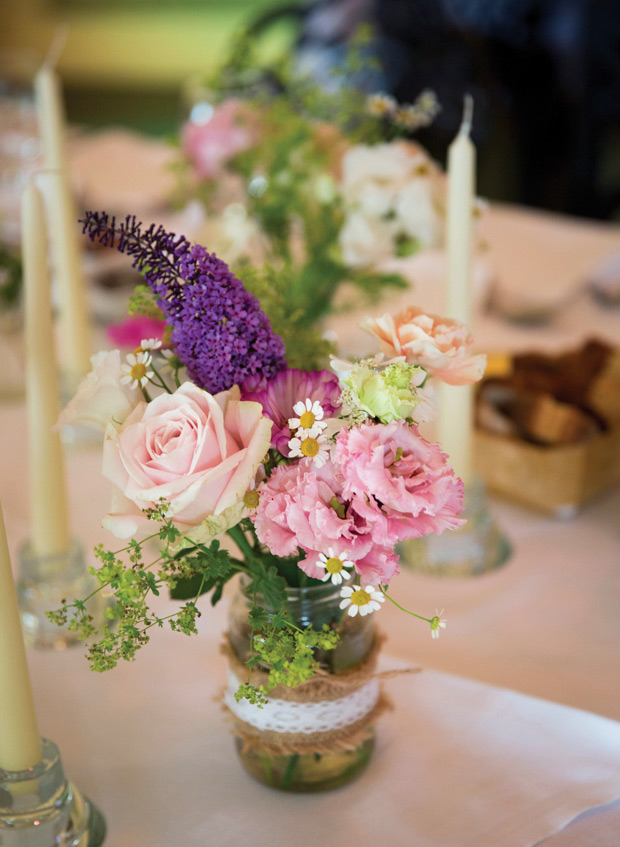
<point x="411" y="118"/>
<point x="172" y="362"/>
<point x="436" y="623"/>
<point x="335" y="566"/>
<point x="311" y="447"/>
<point x="251" y="498"/>
<point x="380" y="105"/>
<point x="309" y="418"/>
<point x="136" y="370"/>
<point x="147" y="344"/>
<point x="363" y="600"/>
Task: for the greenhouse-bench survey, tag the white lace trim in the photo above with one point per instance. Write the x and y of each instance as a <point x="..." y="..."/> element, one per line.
<point x="287" y="716"/>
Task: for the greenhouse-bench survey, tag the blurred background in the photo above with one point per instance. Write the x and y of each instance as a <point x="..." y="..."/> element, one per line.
<point x="545" y="74"/>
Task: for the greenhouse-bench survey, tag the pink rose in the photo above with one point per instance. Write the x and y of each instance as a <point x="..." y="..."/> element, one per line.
<point x="210" y="144"/>
<point x="439" y="345"/>
<point x="398" y="481"/>
<point x="197" y="451"/>
<point x="101" y="396"/>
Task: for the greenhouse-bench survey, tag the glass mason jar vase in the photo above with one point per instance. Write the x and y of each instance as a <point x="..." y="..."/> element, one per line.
<point x="309" y="738"/>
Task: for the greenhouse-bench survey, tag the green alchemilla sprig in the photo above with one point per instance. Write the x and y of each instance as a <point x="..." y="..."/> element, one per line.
<point x="189" y="570"/>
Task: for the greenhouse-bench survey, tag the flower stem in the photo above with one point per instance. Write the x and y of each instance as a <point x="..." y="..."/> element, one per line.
<point x="238" y="536"/>
<point x="402" y="608"/>
<point x="288" y="773"/>
<point x="160" y="378"/>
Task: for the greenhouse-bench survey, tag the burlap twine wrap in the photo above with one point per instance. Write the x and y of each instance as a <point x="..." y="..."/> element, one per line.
<point x="323" y="686"/>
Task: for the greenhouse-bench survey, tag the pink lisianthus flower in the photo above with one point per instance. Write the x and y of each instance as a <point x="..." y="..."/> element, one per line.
<point x="398" y="481"/>
<point x="210" y="143"/>
<point x="301" y="507"/>
<point x="130" y="332"/>
<point x="279" y="395"/>
<point x="440" y="345"/>
<point x="198" y="452"/>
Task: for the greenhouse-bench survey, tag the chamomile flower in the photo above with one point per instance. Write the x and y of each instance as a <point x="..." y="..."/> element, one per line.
<point x="363" y="600"/>
<point x="410" y="118"/>
<point x="136" y="370"/>
<point x="380" y="105"/>
<point x="335" y="567"/>
<point x="310" y="417"/>
<point x="312" y="447"/>
<point x="147" y="344"/>
<point x="436" y="623"/>
<point x="172" y="361"/>
<point x="251" y="498"/>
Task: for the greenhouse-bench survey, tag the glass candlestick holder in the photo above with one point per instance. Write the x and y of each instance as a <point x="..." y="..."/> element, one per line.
<point x="40" y="808"/>
<point x="475" y="548"/>
<point x="44" y="583"/>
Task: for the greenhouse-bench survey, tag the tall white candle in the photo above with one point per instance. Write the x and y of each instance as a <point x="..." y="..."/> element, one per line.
<point x="456" y="402"/>
<point x="48" y="502"/>
<point x="20" y="744"/>
<point x="64" y="229"/>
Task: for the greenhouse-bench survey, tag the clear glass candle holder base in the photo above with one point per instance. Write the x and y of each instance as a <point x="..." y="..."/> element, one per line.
<point x="475" y="548"/>
<point x="44" y="583"/>
<point x="40" y="808"/>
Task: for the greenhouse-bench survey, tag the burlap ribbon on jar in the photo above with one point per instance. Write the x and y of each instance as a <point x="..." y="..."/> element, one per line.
<point x="327" y="713"/>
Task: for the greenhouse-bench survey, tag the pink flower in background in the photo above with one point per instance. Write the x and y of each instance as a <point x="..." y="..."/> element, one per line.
<point x="132" y="330"/>
<point x="392" y="465"/>
<point x="279" y="395"/>
<point x="197" y="451"/>
<point x="440" y="345"/>
<point x="209" y="143"/>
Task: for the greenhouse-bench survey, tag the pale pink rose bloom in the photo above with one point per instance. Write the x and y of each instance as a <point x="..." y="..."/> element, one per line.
<point x="197" y="451"/>
<point x="211" y="144"/>
<point x="392" y="465"/>
<point x="101" y="396"/>
<point x="440" y="345"/>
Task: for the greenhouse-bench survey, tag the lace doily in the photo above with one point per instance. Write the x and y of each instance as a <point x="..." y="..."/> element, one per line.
<point x="305" y="718"/>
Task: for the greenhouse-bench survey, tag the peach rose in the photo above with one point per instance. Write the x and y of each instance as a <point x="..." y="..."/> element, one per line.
<point x="101" y="397"/>
<point x="439" y="345"/>
<point x="197" y="451"/>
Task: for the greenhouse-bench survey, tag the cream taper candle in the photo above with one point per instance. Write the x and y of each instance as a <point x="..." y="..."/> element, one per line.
<point x="456" y="402"/>
<point x="48" y="501"/>
<point x="20" y="744"/>
<point x="64" y="230"/>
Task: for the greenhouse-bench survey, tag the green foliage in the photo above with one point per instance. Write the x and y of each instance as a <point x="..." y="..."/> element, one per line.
<point x="188" y="572"/>
<point x="198" y="570"/>
<point x="266" y="581"/>
<point x="291" y="187"/>
<point x="133" y="584"/>
<point x="286" y="651"/>
<point x="143" y="302"/>
<point x="280" y="300"/>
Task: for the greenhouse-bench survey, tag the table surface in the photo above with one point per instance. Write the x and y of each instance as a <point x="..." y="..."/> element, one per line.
<point x="545" y="624"/>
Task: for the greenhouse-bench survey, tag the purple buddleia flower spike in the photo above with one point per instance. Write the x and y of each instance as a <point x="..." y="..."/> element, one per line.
<point x="218" y="329"/>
